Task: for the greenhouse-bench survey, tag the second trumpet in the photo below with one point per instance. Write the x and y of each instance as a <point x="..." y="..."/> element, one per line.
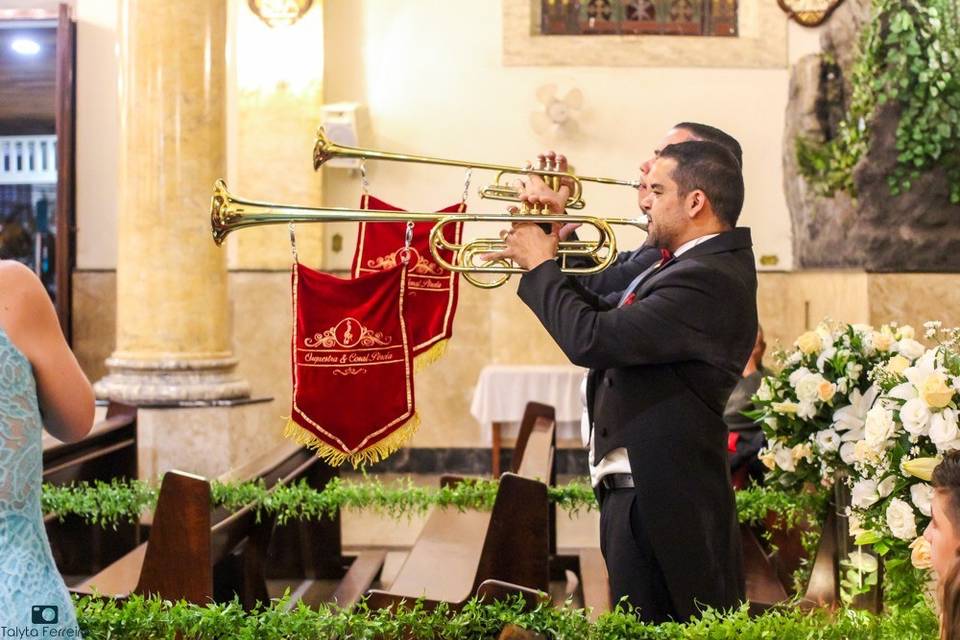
<point x="229" y="213"/>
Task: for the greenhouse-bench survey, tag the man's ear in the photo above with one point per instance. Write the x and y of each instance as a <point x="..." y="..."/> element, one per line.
<point x="696" y="202"/>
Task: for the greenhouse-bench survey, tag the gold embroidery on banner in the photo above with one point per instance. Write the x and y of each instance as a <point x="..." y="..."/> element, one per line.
<point x="349" y="371"/>
<point x="346" y="334"/>
<point x="421" y="266"/>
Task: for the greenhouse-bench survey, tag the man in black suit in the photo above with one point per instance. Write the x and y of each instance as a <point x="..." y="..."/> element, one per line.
<point x="663" y="362"/>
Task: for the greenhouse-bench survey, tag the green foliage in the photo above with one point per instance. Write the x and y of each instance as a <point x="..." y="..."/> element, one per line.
<point x="110" y="503"/>
<point x="909" y="54"/>
<point x="141" y="618"/>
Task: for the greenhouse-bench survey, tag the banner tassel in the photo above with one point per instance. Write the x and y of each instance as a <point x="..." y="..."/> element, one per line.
<point x="335" y="457"/>
<point x="428" y="357"/>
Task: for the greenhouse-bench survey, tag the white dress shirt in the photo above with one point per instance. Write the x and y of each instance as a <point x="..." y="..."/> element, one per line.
<point x="616" y="461"/>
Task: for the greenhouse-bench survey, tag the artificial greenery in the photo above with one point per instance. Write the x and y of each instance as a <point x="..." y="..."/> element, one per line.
<point x="909" y="54"/>
<point x="110" y="503"/>
<point x="139" y="618"/>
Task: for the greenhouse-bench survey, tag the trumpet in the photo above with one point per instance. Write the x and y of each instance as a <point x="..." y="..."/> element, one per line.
<point x="324" y="149"/>
<point x="229" y="213"/>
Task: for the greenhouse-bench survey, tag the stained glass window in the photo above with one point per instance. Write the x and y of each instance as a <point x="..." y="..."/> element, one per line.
<point x="639" y="17"/>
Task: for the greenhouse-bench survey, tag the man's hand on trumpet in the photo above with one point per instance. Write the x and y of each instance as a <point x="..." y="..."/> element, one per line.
<point x="534" y="192"/>
<point x="527" y="245"/>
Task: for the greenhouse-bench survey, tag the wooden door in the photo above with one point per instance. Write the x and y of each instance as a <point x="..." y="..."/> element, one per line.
<point x="66" y="198"/>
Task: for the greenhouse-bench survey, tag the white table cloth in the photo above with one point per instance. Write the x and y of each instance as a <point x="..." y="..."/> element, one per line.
<point x="503" y="391"/>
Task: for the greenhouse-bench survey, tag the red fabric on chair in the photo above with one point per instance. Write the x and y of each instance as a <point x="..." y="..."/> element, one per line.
<point x="352" y="365"/>
<point x="431" y="290"/>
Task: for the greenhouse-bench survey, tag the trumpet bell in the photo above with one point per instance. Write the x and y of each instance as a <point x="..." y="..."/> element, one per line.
<point x="323" y="149"/>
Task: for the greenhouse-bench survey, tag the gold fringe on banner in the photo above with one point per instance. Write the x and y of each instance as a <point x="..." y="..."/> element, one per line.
<point x="376" y="452"/>
<point x="429" y="356"/>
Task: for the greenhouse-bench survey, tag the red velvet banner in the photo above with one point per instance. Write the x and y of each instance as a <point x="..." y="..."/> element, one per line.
<point x="352" y="365"/>
<point x="431" y="290"/>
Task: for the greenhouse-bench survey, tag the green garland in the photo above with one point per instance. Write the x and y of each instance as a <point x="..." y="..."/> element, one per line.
<point x="139" y="618"/>
<point x="908" y="55"/>
<point x="108" y="504"/>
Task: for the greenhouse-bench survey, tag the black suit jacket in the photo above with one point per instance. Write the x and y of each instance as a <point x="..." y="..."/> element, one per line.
<point x="610" y="283"/>
<point x="661" y="370"/>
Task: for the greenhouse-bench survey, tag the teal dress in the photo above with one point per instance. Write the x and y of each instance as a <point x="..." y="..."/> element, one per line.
<point x="32" y="593"/>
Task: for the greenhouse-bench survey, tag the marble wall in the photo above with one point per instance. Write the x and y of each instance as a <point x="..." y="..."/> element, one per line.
<point x="495" y="327"/>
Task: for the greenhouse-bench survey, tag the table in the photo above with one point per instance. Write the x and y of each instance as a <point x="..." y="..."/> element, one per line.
<point x="503" y="390"/>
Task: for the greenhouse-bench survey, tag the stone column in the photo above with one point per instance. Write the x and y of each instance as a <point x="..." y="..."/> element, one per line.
<point x="174" y="329"/>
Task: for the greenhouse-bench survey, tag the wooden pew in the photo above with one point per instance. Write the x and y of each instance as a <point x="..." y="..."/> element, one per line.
<point x="199" y="553"/>
<point x="763" y="586"/>
<point x="461" y="554"/>
<point x="108" y="452"/>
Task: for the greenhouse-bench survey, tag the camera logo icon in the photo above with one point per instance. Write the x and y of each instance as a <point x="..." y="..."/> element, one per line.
<point x="44" y="614"/>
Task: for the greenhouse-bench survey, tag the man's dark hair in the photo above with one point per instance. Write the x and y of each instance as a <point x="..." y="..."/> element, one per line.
<point x="711" y="134"/>
<point x="712" y="169"/>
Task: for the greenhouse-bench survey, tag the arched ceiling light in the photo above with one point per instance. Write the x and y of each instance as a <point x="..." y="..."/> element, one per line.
<point x="25" y="46"/>
<point x="280" y="13"/>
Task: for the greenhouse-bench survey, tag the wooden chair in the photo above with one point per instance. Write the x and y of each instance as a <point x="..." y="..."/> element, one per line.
<point x="461" y="554"/>
<point x="198" y="553"/>
<point x="108" y="452"/>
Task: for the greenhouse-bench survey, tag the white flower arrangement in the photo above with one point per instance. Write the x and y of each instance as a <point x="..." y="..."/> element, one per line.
<point x="818" y="406"/>
<point x="912" y="422"/>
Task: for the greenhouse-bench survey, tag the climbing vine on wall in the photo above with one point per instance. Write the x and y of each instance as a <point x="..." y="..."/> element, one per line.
<point x="909" y="55"/>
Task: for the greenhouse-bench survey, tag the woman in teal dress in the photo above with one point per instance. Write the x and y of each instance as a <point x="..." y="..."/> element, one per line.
<point x="41" y="385"/>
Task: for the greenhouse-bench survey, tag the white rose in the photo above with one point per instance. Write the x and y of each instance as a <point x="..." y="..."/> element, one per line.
<point x="797" y="376"/>
<point x="921" y="495"/>
<point x="864" y="494"/>
<point x="808" y="387"/>
<point x="827" y="440"/>
<point x="901" y="520"/>
<point x="784" y="458"/>
<point x="915" y="416"/>
<point x="910" y="348"/>
<point x="907" y="332"/>
<point x="847" y="450"/>
<point x="943" y="427"/>
<point x="768" y="459"/>
<point x="879" y="426"/>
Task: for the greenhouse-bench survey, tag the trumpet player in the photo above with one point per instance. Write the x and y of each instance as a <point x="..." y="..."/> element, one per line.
<point x="663" y="357"/>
